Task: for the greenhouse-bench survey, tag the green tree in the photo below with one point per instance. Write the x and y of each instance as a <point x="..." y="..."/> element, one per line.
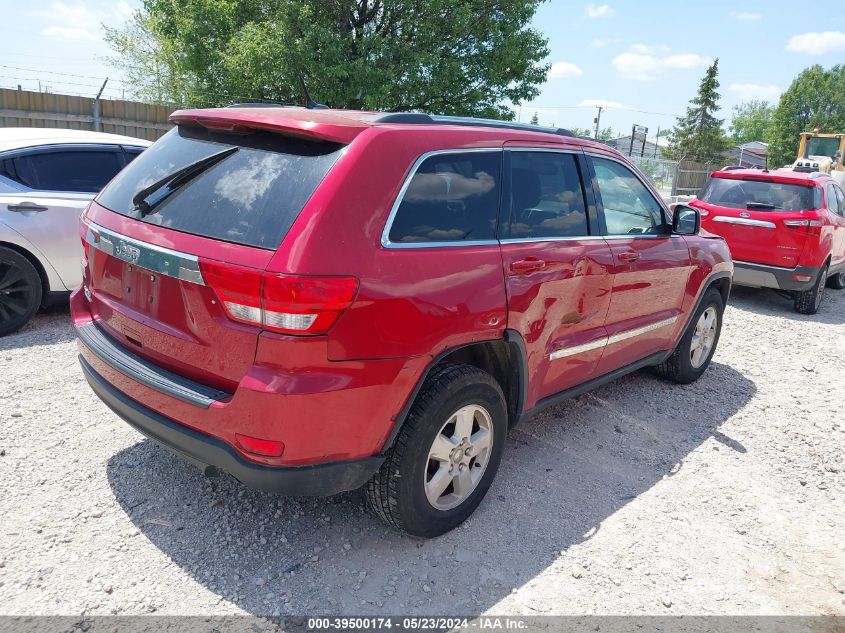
<point x="699" y="134"/>
<point x="814" y="99"/>
<point x="535" y="120"/>
<point x="751" y="121"/>
<point x="605" y="134"/>
<point x="444" y="56"/>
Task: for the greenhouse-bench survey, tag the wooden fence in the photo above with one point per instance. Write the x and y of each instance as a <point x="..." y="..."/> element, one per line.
<point x="23" y="108"/>
<point x="691" y="177"/>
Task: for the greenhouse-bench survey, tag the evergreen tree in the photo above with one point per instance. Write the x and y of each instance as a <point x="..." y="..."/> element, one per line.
<point x="535" y="120"/>
<point x="699" y="134"/>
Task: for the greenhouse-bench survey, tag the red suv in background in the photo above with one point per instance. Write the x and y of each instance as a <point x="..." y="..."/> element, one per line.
<point x="785" y="229"/>
<point x="317" y="300"/>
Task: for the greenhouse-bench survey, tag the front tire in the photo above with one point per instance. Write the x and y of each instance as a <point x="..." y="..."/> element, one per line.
<point x="20" y="291"/>
<point x="446" y="456"/>
<point x="695" y="350"/>
<point x="809" y="301"/>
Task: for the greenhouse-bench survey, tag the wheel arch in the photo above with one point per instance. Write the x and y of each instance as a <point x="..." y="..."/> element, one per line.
<point x="42" y="272"/>
<point x="503" y="358"/>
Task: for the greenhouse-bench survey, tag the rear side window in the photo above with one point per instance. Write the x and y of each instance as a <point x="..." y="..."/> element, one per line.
<point x="83" y="171"/>
<point x="760" y="194"/>
<point x="451" y="198"/>
<point x="547" y="199"/>
<point x="251" y="196"/>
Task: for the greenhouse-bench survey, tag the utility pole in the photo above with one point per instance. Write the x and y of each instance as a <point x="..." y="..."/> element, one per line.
<point x="597" y="121"/>
<point x="95" y="108"/>
<point x="656" y="142"/>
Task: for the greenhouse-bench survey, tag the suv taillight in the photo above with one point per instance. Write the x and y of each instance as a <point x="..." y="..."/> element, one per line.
<point x="290" y="304"/>
<point x="811" y="226"/>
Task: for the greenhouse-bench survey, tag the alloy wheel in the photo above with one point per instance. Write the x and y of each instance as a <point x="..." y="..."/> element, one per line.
<point x="16" y="293"/>
<point x="703" y="337"/>
<point x="458" y="457"/>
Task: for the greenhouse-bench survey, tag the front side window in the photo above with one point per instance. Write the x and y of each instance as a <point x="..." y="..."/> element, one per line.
<point x="84" y="171"/>
<point x="451" y="198"/>
<point x="629" y="207"/>
<point x="547" y="200"/>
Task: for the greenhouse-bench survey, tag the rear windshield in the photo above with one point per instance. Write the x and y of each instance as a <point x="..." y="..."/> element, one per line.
<point x="766" y="196"/>
<point x="251" y="196"/>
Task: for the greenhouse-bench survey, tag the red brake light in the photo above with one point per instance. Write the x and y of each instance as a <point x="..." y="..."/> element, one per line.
<point x="290" y="304"/>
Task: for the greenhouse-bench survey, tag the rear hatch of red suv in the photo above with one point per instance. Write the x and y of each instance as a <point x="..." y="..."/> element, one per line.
<point x="177" y="246"/>
<point x="763" y="216"/>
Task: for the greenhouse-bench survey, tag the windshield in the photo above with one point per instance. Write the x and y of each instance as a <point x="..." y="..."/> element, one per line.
<point x="760" y="195"/>
<point x="822" y="147"/>
<point x="247" y="189"/>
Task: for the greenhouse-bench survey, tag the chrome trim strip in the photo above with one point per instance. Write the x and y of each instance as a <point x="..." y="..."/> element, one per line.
<point x="761" y="266"/>
<point x="610" y="340"/>
<point x="565" y="238"/>
<point x="624" y="336"/>
<point x="149" y="256"/>
<point x="744" y="221"/>
<point x="385" y="234"/>
<point x="578" y="349"/>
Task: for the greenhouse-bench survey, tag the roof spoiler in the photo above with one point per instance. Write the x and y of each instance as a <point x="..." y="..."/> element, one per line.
<point x="301" y="123"/>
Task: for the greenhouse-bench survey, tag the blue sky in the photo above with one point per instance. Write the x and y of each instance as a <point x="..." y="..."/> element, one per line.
<point x="643" y="59"/>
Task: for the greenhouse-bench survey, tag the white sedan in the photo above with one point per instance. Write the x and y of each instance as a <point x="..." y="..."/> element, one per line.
<point x="47" y="177"/>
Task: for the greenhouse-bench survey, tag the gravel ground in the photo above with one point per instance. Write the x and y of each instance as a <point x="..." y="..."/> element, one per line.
<point x="722" y="497"/>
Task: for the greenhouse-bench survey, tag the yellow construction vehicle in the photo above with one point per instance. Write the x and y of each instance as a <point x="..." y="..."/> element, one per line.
<point x="823" y="153"/>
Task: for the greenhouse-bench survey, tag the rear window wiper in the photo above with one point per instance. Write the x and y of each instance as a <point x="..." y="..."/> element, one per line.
<point x="761" y="205"/>
<point x="145" y="202"/>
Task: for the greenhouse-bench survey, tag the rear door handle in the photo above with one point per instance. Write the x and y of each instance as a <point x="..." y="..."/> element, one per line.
<point x="629" y="256"/>
<point x="527" y="265"/>
<point x="26" y="206"/>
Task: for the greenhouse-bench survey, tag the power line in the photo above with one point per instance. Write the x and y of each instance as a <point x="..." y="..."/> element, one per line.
<point x="49" y="72"/>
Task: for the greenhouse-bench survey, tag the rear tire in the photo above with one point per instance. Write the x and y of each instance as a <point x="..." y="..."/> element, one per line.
<point x="695" y="350"/>
<point x="809" y="301"/>
<point x="434" y="441"/>
<point x="20" y="291"/>
<point x="837" y="281"/>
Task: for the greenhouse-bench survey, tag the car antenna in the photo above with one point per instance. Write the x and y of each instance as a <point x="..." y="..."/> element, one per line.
<point x="309" y="102"/>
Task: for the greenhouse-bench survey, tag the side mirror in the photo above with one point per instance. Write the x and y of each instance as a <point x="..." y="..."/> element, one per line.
<point x="686" y="220"/>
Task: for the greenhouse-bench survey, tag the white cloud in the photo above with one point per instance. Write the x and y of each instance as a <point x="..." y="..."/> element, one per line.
<point x="746" y="92"/>
<point x="77" y="15"/>
<point x="595" y="103"/>
<point x="602" y="42"/>
<point x="817" y="43"/>
<point x="123" y="11"/>
<point x="564" y="69"/>
<point x="745" y="15"/>
<point x="644" y="63"/>
<point x="69" y="33"/>
<point x="599" y="11"/>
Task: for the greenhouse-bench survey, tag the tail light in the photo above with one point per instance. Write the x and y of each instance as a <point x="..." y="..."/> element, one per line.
<point x="290" y="304"/>
<point x="811" y="226"/>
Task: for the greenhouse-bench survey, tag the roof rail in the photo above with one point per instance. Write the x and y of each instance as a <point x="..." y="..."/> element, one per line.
<point x="259" y="104"/>
<point x="419" y="118"/>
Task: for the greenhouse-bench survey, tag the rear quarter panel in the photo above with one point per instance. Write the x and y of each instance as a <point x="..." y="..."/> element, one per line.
<point x="410" y="301"/>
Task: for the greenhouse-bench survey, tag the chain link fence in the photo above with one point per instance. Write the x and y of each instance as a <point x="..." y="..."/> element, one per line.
<point x="675" y="179"/>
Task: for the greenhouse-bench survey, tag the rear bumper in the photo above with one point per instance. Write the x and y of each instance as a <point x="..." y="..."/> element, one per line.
<point x="762" y="276"/>
<point x="205" y="451"/>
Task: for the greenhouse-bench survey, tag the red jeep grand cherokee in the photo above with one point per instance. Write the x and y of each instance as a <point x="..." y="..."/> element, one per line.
<point x="317" y="300"/>
<point x="785" y="229"/>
